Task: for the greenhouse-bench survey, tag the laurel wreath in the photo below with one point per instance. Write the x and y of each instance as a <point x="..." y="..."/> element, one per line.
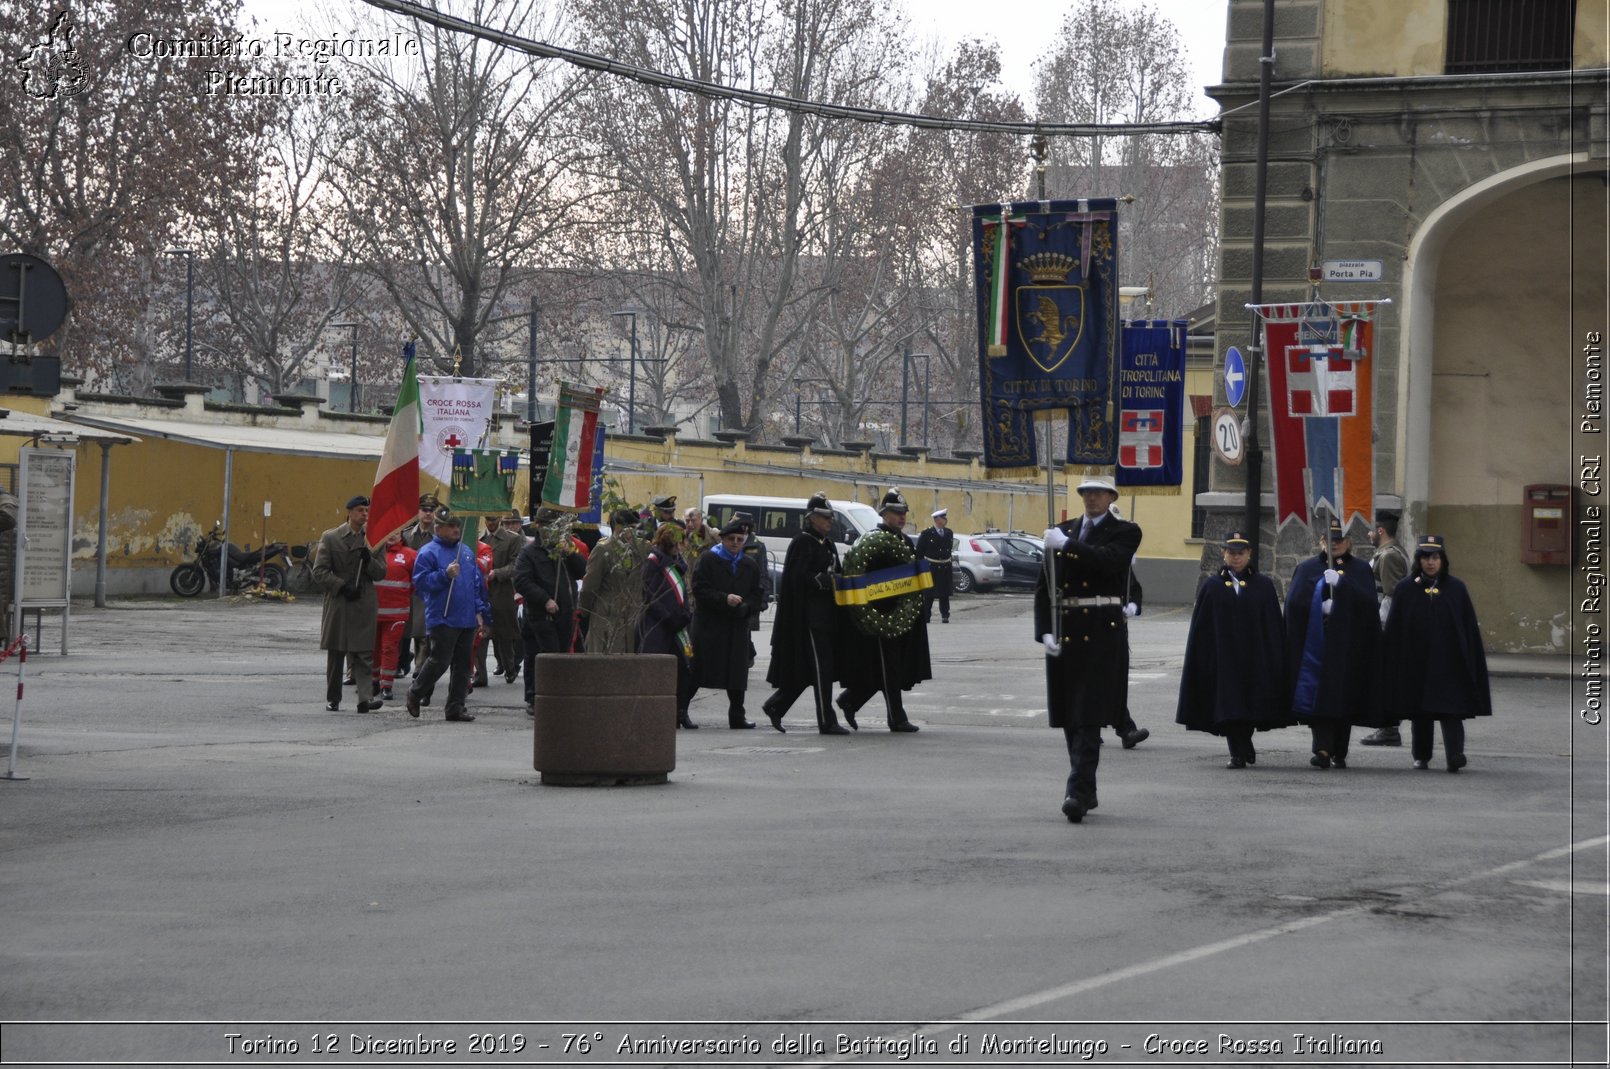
<point x="886" y="617"/>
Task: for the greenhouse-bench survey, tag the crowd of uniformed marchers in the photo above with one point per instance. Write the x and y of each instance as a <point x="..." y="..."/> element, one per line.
<point x="1356" y="645"/>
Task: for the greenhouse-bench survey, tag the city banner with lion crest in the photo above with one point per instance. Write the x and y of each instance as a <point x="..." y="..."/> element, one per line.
<point x="1046" y="276"/>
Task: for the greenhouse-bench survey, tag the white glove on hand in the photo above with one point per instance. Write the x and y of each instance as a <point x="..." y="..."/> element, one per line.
<point x="1055" y="539"/>
<point x="1052" y="646"/>
<point x="1132" y="609"/>
<point x="1332" y="577"/>
<point x="1326" y="606"/>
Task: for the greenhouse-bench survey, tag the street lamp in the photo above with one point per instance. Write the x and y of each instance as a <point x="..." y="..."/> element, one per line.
<point x="352" y="384"/>
<point x="189" y="302"/>
<point x="905" y="393"/>
<point x="799" y="393"/>
<point x="631" y="388"/>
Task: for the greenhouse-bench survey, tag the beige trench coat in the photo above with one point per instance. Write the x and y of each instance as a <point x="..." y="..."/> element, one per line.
<point x="347" y="625"/>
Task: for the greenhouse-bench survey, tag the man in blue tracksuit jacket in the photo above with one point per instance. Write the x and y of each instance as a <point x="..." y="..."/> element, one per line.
<point x="456" y="607"/>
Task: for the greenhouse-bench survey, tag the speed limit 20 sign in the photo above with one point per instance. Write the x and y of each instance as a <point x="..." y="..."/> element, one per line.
<point x="1227" y="440"/>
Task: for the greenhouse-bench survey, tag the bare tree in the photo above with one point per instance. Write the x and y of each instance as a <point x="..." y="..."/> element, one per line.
<point x="108" y="151"/>
<point x="726" y="186"/>
<point x="455" y="172"/>
<point x="1112" y="64"/>
<point x="278" y="259"/>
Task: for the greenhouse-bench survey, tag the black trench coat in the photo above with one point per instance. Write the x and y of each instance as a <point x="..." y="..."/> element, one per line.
<point x="1087" y="684"/>
<point x="721" y="631"/>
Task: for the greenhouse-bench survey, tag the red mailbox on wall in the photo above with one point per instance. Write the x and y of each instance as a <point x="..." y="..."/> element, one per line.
<point x="1547" y="522"/>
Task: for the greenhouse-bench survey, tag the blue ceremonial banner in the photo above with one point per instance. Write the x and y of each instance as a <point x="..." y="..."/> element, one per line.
<point x="1151" y="404"/>
<point x="1046" y="274"/>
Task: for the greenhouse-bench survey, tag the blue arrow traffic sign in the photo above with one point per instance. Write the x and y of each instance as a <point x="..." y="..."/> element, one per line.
<point x="1235" y="377"/>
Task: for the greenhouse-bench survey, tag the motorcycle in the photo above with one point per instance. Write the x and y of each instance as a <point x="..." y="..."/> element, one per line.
<point x="192" y="577"/>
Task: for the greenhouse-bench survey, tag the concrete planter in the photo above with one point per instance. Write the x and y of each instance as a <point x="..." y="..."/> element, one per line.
<point x="605" y="719"/>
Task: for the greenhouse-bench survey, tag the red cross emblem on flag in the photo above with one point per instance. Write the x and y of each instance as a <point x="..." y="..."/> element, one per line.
<point x="1140" y="438"/>
<point x="1320" y="381"/>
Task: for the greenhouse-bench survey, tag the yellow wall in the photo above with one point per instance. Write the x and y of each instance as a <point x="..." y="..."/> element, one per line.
<point x="1591" y="48"/>
<point x="1383" y="37"/>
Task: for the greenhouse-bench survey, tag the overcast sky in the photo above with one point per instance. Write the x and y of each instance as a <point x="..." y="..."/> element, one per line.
<point x="1201" y="24"/>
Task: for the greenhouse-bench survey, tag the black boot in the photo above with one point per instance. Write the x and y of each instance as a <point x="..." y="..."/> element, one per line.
<point x="683" y="721"/>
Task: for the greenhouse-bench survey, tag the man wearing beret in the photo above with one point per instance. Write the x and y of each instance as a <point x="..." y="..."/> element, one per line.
<point x="346" y="571"/>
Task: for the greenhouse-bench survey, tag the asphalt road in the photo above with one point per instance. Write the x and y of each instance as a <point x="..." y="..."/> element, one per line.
<point x="200" y="843"/>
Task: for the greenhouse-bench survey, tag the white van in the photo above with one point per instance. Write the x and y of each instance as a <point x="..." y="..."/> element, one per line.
<point x="779" y="519"/>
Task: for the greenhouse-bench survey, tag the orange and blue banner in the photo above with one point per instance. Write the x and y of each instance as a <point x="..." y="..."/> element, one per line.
<point x="1322" y="409"/>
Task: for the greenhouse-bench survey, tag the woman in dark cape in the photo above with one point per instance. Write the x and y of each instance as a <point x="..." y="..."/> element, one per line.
<point x="1234" y="682"/>
<point x="727" y="594"/>
<point x="1433" y="666"/>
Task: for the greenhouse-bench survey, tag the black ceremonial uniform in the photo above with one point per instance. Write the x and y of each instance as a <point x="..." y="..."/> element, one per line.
<point x="1087" y="684"/>
<point x="937" y="545"/>
<point x="1433" y="666"/>
<point x="1332" y="671"/>
<point x="891" y="665"/>
<point x="721" y="631"/>
<point x="804" y="631"/>
<point x="1234" y="681"/>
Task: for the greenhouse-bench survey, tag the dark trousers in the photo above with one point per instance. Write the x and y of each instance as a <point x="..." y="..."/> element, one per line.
<point x="1239" y="739"/>
<point x="450" y="649"/>
<point x="506" y="641"/>
<point x="1126" y="724"/>
<point x="821" y="660"/>
<point x="735" y="706"/>
<point x="1084" y="754"/>
<point x="852" y="700"/>
<point x="335" y="667"/>
<point x="1332" y="736"/>
<point x="940" y="591"/>
<point x="1453" y="736"/>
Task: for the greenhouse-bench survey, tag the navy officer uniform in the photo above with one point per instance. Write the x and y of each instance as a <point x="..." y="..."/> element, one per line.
<point x="1087" y="671"/>
<point x="937" y="545"/>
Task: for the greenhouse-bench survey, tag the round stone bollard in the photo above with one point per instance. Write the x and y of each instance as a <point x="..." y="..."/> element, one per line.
<point x="604" y="719"/>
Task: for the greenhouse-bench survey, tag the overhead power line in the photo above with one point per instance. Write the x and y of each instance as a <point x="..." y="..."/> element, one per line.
<point x="662" y="80"/>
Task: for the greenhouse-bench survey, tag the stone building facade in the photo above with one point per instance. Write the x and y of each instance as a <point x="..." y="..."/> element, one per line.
<point x="1470" y="158"/>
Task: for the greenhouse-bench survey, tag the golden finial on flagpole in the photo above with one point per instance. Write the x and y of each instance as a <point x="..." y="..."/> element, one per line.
<point x="458" y="360"/>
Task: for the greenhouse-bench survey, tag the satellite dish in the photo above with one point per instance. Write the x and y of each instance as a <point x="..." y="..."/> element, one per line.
<point x="33" y="301"/>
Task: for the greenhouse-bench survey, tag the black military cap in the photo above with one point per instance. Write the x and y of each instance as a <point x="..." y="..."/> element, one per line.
<point x="1428" y="545"/>
<point x="1236" y="540"/>
<point x="818" y="505"/>
<point x="734" y="527"/>
<point x="893" y="502"/>
<point x="358" y="502"/>
<point x="428" y="501"/>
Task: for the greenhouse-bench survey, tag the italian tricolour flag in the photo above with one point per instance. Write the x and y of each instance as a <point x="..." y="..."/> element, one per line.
<point x="569" y="484"/>
<point x="396" y="494"/>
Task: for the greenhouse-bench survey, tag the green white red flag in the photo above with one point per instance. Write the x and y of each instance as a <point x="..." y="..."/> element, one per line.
<point x="569" y="484"/>
<point x="395" y="498"/>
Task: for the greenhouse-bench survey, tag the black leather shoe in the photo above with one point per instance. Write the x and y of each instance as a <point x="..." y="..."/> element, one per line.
<point x="1422" y="765"/>
<point x="460" y="718"/>
<point x="1456" y="762"/>
<point x="946" y="620"/>
<point x="904" y="725"/>
<point x="684" y="722"/>
<point x="1321" y="759"/>
<point x="835" y="729"/>
<point x="412" y="703"/>
<point x="481" y="681"/>
<point x="1338" y="761"/>
<point x="1073" y="807"/>
<point x="740" y="725"/>
<point x="1090" y="801"/>
<point x="1136" y="737"/>
<point x="776" y="720"/>
<point x="511" y="676"/>
<point x="332" y="707"/>
<point x="386" y="694"/>
<point x="1251" y="755"/>
<point x="1383" y="737"/>
<point x="1236" y="762"/>
<point x="849" y="717"/>
<point x="370" y="707"/>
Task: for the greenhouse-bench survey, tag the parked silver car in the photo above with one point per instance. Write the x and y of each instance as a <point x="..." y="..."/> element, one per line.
<point x="977" y="565"/>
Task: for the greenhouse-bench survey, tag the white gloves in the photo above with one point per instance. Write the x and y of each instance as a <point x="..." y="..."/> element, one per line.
<point x="1052" y="646"/>
<point x="1332" y="577"/>
<point x="1326" y="606"/>
<point x="1132" y="609"/>
<point x="1055" y="539"/>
